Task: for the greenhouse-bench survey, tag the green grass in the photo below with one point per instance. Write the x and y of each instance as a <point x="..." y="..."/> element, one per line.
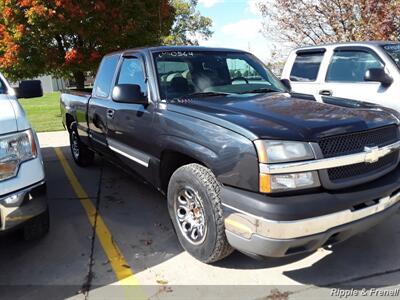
<point x="44" y="112"/>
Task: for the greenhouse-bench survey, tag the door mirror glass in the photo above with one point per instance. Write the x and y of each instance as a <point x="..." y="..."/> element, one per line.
<point x="378" y="75"/>
<point x="287" y="84"/>
<point x="29" y="89"/>
<point x="129" y="93"/>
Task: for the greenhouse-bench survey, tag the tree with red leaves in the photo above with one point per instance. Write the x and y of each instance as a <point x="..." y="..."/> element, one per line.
<point x="303" y="22"/>
<point x="68" y="37"/>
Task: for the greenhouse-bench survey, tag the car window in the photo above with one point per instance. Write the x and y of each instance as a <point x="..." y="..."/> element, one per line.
<point x="105" y="75"/>
<point x="182" y="73"/>
<point x="306" y="66"/>
<point x="351" y="65"/>
<point x="394" y="52"/>
<point x="132" y="73"/>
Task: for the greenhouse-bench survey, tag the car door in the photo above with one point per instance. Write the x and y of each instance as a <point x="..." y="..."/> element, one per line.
<point x="304" y="73"/>
<point x="130" y="126"/>
<point x="345" y="76"/>
<point x="98" y="106"/>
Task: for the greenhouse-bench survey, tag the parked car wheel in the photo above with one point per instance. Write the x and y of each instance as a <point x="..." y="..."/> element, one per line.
<point x="195" y="209"/>
<point x="81" y="154"/>
<point x="37" y="227"/>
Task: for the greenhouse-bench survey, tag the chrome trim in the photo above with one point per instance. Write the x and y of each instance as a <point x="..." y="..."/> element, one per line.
<point x="369" y="155"/>
<point x="141" y="162"/>
<point x="129" y="152"/>
<point x="245" y="224"/>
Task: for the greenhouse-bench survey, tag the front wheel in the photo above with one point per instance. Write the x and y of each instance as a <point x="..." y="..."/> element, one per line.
<point x="195" y="209"/>
<point x="81" y="154"/>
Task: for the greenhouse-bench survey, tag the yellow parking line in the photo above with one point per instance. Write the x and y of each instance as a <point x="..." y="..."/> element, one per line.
<point x="118" y="263"/>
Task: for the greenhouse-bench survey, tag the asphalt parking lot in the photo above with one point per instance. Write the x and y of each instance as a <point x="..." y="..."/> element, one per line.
<point x="131" y="251"/>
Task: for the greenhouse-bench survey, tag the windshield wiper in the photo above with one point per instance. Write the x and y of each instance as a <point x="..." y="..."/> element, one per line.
<point x="204" y="94"/>
<point x="259" y="91"/>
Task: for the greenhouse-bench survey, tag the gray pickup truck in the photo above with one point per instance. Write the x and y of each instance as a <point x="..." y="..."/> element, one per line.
<point x="243" y="164"/>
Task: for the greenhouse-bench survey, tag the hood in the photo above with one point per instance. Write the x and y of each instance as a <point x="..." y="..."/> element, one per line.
<point x="280" y="116"/>
<point x="8" y="120"/>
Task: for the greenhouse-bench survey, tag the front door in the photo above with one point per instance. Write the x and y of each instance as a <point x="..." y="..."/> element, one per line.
<point x="130" y="128"/>
<point x="345" y="76"/>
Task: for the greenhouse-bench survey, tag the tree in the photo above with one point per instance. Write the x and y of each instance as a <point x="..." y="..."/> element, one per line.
<point x="68" y="37"/>
<point x="189" y="25"/>
<point x="305" y="22"/>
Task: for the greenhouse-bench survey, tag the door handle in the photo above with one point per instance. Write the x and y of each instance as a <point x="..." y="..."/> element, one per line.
<point x="325" y="92"/>
<point x="110" y="113"/>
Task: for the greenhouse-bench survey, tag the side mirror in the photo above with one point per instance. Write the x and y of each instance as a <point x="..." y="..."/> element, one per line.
<point x="378" y="75"/>
<point x="129" y="93"/>
<point x="29" y="89"/>
<point x="287" y="84"/>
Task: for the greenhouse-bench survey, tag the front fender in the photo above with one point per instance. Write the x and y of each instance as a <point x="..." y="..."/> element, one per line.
<point x="231" y="157"/>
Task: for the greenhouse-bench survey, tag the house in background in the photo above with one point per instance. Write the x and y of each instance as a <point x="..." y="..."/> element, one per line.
<point x="49" y="83"/>
<point x="52" y="84"/>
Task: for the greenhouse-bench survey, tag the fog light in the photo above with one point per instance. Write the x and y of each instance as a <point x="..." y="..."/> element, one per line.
<point x="13" y="200"/>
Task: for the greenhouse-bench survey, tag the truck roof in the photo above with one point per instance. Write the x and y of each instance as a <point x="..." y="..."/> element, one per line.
<point x="360" y="43"/>
<point x="175" y="48"/>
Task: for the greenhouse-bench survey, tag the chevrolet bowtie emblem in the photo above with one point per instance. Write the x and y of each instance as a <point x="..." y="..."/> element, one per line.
<point x="373" y="154"/>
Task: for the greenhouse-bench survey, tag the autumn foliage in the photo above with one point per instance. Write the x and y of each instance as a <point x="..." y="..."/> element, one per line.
<point x="319" y="21"/>
<point x="65" y="37"/>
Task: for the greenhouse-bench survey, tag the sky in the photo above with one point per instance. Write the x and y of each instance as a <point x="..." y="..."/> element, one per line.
<point x="236" y="24"/>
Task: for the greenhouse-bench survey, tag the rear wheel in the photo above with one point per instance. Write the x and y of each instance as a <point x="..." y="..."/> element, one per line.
<point x="81" y="154"/>
<point x="195" y="209"/>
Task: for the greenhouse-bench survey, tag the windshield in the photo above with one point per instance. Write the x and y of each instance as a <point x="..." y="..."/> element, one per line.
<point x="394" y="52"/>
<point x="185" y="73"/>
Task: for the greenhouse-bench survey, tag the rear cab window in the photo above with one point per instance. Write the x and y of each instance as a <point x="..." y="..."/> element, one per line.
<point x="350" y="65"/>
<point x="105" y="75"/>
<point x="306" y="65"/>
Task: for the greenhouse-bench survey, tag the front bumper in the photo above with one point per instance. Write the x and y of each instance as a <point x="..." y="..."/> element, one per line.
<point x="34" y="203"/>
<point x="279" y="226"/>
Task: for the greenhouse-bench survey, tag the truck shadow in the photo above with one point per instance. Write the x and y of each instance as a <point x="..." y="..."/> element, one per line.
<point x="64" y="262"/>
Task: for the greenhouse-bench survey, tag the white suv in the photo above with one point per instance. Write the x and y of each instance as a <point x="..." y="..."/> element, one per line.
<point x="363" y="71"/>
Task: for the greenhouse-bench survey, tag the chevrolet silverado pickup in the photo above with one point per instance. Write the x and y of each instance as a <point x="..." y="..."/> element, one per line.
<point x="243" y="164"/>
<point x="23" y="200"/>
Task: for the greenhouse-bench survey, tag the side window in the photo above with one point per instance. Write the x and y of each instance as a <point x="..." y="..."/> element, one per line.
<point x="132" y="73"/>
<point x="306" y="66"/>
<point x="105" y="75"/>
<point x="351" y="65"/>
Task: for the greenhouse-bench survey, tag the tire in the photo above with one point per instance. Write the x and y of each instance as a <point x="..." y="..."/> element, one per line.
<point x="81" y="154"/>
<point x="37" y="227"/>
<point x="193" y="190"/>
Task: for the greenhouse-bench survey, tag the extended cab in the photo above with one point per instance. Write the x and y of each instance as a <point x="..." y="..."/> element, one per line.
<point x="361" y="71"/>
<point x="23" y="200"/>
<point x="243" y="164"/>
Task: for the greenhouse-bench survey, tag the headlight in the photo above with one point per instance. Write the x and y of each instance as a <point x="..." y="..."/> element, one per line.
<point x="15" y="149"/>
<point x="283" y="152"/>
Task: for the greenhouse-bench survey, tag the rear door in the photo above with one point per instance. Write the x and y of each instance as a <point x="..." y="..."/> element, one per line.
<point x="304" y="72"/>
<point x="130" y="131"/>
<point x="345" y="75"/>
<point x="99" y="104"/>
